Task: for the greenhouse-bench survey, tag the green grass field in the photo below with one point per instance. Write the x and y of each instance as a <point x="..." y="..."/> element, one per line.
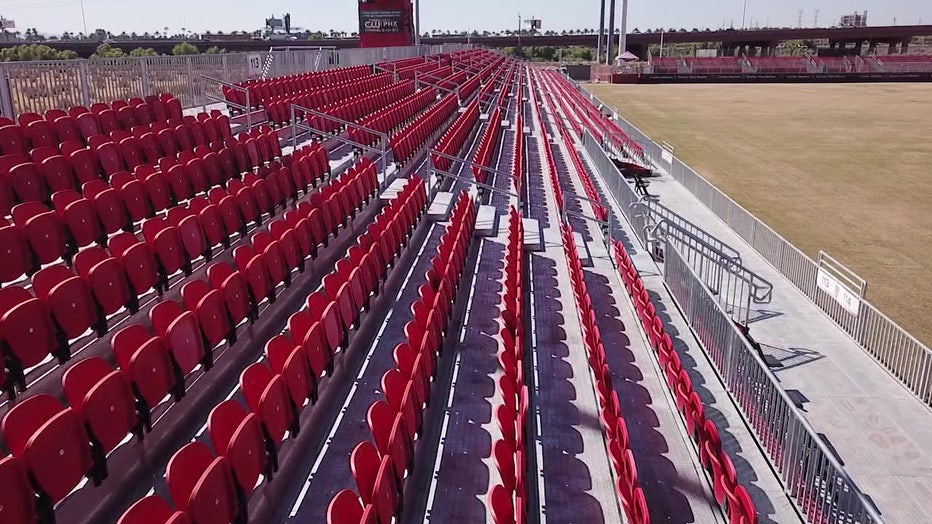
<point x="846" y="168"/>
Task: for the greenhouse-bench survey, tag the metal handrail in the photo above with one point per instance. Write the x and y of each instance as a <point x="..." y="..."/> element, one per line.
<point x="247" y="109"/>
<point x="654" y="207"/>
<point x="383" y="137"/>
<point x="456" y="91"/>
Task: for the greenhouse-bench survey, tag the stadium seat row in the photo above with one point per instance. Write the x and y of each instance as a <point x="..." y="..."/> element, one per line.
<point x="80" y="123"/>
<point x="405" y="143"/>
<point x="518" y="160"/>
<point x="598" y="209"/>
<point x="729" y="493"/>
<point x="278" y="109"/>
<point x="487" y="145"/>
<point x="39" y="235"/>
<point x="153" y="364"/>
<point x="453" y="138"/>
<point x="356" y="108"/>
<point x="614" y="426"/>
<point x="209" y="487"/>
<point x="392" y="116"/>
<point x="508" y="499"/>
<point x="380" y="469"/>
<point x="261" y="90"/>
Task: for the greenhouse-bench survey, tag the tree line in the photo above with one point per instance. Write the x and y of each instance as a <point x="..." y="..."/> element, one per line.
<point x="30" y="52"/>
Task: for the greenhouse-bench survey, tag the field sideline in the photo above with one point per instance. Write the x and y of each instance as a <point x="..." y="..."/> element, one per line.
<point x="846" y="168"/>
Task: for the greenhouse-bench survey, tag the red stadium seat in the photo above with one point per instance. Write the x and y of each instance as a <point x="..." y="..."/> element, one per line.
<point x="79" y="216"/>
<point x="267" y="396"/>
<point x="69" y="298"/>
<point x="103" y="398"/>
<point x="50" y="439"/>
<point x="17" y="500"/>
<point x="145" y="360"/>
<point x="15" y="256"/>
<point x="137" y="260"/>
<point x="208" y="306"/>
<point x="202" y="485"/>
<point x="235" y="291"/>
<point x="345" y="508"/>
<point x="182" y="334"/>
<point x="237" y="436"/>
<point x="153" y="510"/>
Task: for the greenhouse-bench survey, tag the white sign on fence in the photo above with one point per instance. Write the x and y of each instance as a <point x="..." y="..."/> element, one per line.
<point x="666" y="156"/>
<point x="255" y="64"/>
<point x="838" y="291"/>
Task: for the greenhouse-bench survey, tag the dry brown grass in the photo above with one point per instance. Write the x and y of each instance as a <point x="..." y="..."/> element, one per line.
<point x="844" y="168"/>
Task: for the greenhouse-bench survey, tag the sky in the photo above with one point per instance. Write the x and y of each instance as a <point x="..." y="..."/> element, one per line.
<point x="57" y="16"/>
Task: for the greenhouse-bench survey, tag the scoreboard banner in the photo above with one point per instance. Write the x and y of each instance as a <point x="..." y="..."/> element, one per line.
<point x="381" y="21"/>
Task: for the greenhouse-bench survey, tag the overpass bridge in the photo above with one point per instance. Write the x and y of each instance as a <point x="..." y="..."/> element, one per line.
<point x="897" y="38"/>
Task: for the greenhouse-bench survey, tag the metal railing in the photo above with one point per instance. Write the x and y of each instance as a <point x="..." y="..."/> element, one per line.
<point x="654" y="212"/>
<point x="246" y="109"/>
<point x="382" y="151"/>
<point x="892" y="346"/>
<point x="811" y="473"/>
<point x="43" y="85"/>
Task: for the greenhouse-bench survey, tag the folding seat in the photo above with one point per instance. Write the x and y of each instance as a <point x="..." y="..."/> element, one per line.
<point x="150" y="148"/>
<point x="166" y="140"/>
<point x="202" y="485"/>
<point x="116" y="105"/>
<point x="17" y="500"/>
<point x="89" y="125"/>
<point x="207" y="305"/>
<point x="153" y="509"/>
<point x="211" y="224"/>
<point x="40" y="134"/>
<point x="27" y="329"/>
<point x="26" y="180"/>
<point x="271" y="250"/>
<point x="108" y="154"/>
<point x="126" y="117"/>
<point x="307" y="328"/>
<point x="147" y="365"/>
<point x="182" y="138"/>
<point x="240" y="158"/>
<point x="235" y="291"/>
<point x="173" y="106"/>
<point x="267" y="396"/>
<point x="157" y="188"/>
<point x="229" y="210"/>
<point x="66" y="128"/>
<point x="165" y="241"/>
<point x="107" y="280"/>
<point x="104" y="400"/>
<point x="212" y="131"/>
<point x="346" y="508"/>
<point x="137" y="260"/>
<point x="57" y="173"/>
<point x="132" y="153"/>
<point x="288" y="359"/>
<point x="288" y="241"/>
<point x="182" y="334"/>
<point x="42" y="229"/>
<point x="254" y="268"/>
<point x="79" y="217"/>
<point x="198" y="134"/>
<point x="260" y="192"/>
<point x="213" y="168"/>
<point x="142" y="114"/>
<point x="179" y="181"/>
<point x="69" y="299"/>
<point x="109" y="204"/>
<point x="134" y="195"/>
<point x="159" y="110"/>
<point x="237" y="436"/>
<point x="246" y="201"/>
<point x="15" y="256"/>
<point x="84" y="165"/>
<point x="51" y="441"/>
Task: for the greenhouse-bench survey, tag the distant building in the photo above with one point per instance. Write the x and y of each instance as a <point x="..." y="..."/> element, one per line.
<point x="854" y="20"/>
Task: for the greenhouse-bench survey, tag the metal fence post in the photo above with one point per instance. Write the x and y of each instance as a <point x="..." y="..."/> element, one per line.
<point x="190" y="72"/>
<point x="144" y="75"/>
<point x="6" y="94"/>
<point x="85" y="84"/>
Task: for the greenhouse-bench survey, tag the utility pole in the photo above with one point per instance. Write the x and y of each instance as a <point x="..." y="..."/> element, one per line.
<point x="83" y="18"/>
<point x="598" y="47"/>
<point x="519" y="33"/>
<point x="744" y="12"/>
<point x="815" y="19"/>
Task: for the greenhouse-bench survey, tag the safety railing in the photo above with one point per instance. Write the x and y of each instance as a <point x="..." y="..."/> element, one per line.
<point x="733" y="285"/>
<point x="246" y="109"/>
<point x="892" y="346"/>
<point x="382" y="151"/>
<point x="616" y="184"/>
<point x="463" y="163"/>
<point x="654" y="212"/>
<point x="811" y="474"/>
<point x="605" y="226"/>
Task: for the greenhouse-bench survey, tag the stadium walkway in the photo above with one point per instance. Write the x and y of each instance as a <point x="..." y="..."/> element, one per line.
<point x="879" y="430"/>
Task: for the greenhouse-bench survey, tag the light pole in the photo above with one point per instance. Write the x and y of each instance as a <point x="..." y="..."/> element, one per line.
<point x="598" y="47"/>
<point x="417" y="22"/>
<point x="611" y="32"/>
<point x="744" y="12"/>
<point x="83" y="18"/>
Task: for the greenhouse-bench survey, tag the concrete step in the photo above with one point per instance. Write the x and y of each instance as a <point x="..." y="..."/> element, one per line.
<point x="440" y="207"/>
<point x="584" y="256"/>
<point x="391" y="192"/>
<point x="533" y="235"/>
<point x="487" y="221"/>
